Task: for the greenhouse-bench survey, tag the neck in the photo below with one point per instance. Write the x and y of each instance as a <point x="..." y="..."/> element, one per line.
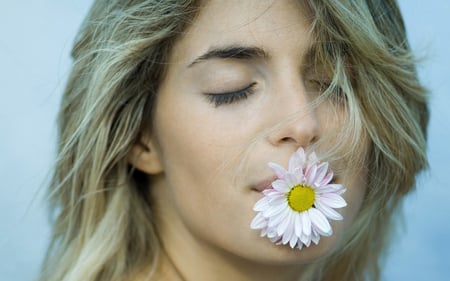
<point x="222" y="266"/>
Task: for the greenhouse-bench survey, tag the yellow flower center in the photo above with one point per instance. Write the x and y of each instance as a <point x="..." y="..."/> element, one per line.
<point x="301" y="198"/>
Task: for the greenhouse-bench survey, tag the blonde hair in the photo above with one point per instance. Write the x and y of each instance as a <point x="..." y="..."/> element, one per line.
<point x="103" y="227"/>
<point x="392" y="106"/>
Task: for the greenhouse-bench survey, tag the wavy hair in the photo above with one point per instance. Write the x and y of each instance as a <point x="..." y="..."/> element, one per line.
<point x="102" y="217"/>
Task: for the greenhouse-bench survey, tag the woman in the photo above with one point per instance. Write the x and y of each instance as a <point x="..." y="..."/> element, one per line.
<point x="174" y="108"/>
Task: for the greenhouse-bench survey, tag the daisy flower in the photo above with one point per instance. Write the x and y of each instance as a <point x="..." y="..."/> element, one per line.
<point x="298" y="207"/>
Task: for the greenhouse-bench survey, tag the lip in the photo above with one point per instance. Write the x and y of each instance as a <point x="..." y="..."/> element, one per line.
<point x="264" y="184"/>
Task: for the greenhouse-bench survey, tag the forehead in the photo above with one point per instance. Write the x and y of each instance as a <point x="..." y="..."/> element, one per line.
<point x="273" y="25"/>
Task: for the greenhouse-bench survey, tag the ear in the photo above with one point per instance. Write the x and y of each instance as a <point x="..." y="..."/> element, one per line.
<point x="144" y="156"/>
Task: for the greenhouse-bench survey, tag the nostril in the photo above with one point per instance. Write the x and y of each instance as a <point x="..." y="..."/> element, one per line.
<point x="287" y="139"/>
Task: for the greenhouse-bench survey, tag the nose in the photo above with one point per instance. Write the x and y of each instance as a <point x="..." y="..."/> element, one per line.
<point x="297" y="123"/>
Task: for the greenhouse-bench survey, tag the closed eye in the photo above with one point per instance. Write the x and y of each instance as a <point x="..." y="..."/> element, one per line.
<point x="219" y="99"/>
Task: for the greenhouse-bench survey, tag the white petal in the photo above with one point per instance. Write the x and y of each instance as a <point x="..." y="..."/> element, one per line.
<point x="281" y="229"/>
<point x="275" y="240"/>
<point x="276" y="220"/>
<point x="298" y="225"/>
<point x="272" y="234"/>
<point x="306" y="223"/>
<point x="293" y="240"/>
<point x="263" y="232"/>
<point x="273" y="210"/>
<point x="301" y="154"/>
<point x="286" y="237"/>
<point x="258" y="222"/>
<point x="327" y="211"/>
<point x="291" y="180"/>
<point x="341" y="191"/>
<point x="294" y="162"/>
<point x="332" y="200"/>
<point x="315" y="238"/>
<point x="299" y="177"/>
<point x="279" y="170"/>
<point x="329" y="233"/>
<point x="290" y="231"/>
<point x="277" y="200"/>
<point x="312" y="159"/>
<point x="319" y="221"/>
<point x="281" y="186"/>
<point x="306" y="239"/>
<point x="261" y="205"/>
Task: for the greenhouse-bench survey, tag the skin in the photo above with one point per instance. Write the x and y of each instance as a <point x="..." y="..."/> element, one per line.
<point x="205" y="159"/>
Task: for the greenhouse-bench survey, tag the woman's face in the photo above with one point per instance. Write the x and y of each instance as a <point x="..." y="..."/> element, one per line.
<point x="236" y="96"/>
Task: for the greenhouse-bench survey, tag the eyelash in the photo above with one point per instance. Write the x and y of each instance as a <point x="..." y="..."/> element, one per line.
<point x="219" y="99"/>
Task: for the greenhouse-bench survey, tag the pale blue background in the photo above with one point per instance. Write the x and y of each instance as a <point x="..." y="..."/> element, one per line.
<point x="35" y="39"/>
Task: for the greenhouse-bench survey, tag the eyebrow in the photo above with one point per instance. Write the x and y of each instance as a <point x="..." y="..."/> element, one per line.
<point x="232" y="52"/>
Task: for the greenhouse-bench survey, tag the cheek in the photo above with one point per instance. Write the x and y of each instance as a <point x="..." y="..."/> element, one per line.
<point x="356" y="189"/>
<point x="197" y="156"/>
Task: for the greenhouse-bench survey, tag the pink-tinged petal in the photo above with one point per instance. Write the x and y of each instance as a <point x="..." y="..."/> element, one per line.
<point x="327" y="179"/>
<point x="319" y="221"/>
<point x="269" y="192"/>
<point x="298" y="225"/>
<point x="274" y="194"/>
<point x="321" y="172"/>
<point x="279" y="170"/>
<point x="306" y="223"/>
<point x="327" y="211"/>
<point x="329" y="188"/>
<point x="332" y="200"/>
<point x="310" y="174"/>
<point x="281" y="186"/>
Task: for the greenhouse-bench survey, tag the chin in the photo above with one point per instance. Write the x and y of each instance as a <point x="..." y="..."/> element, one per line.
<point x="268" y="253"/>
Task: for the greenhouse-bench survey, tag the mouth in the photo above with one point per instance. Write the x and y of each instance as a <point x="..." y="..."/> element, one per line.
<point x="264" y="184"/>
